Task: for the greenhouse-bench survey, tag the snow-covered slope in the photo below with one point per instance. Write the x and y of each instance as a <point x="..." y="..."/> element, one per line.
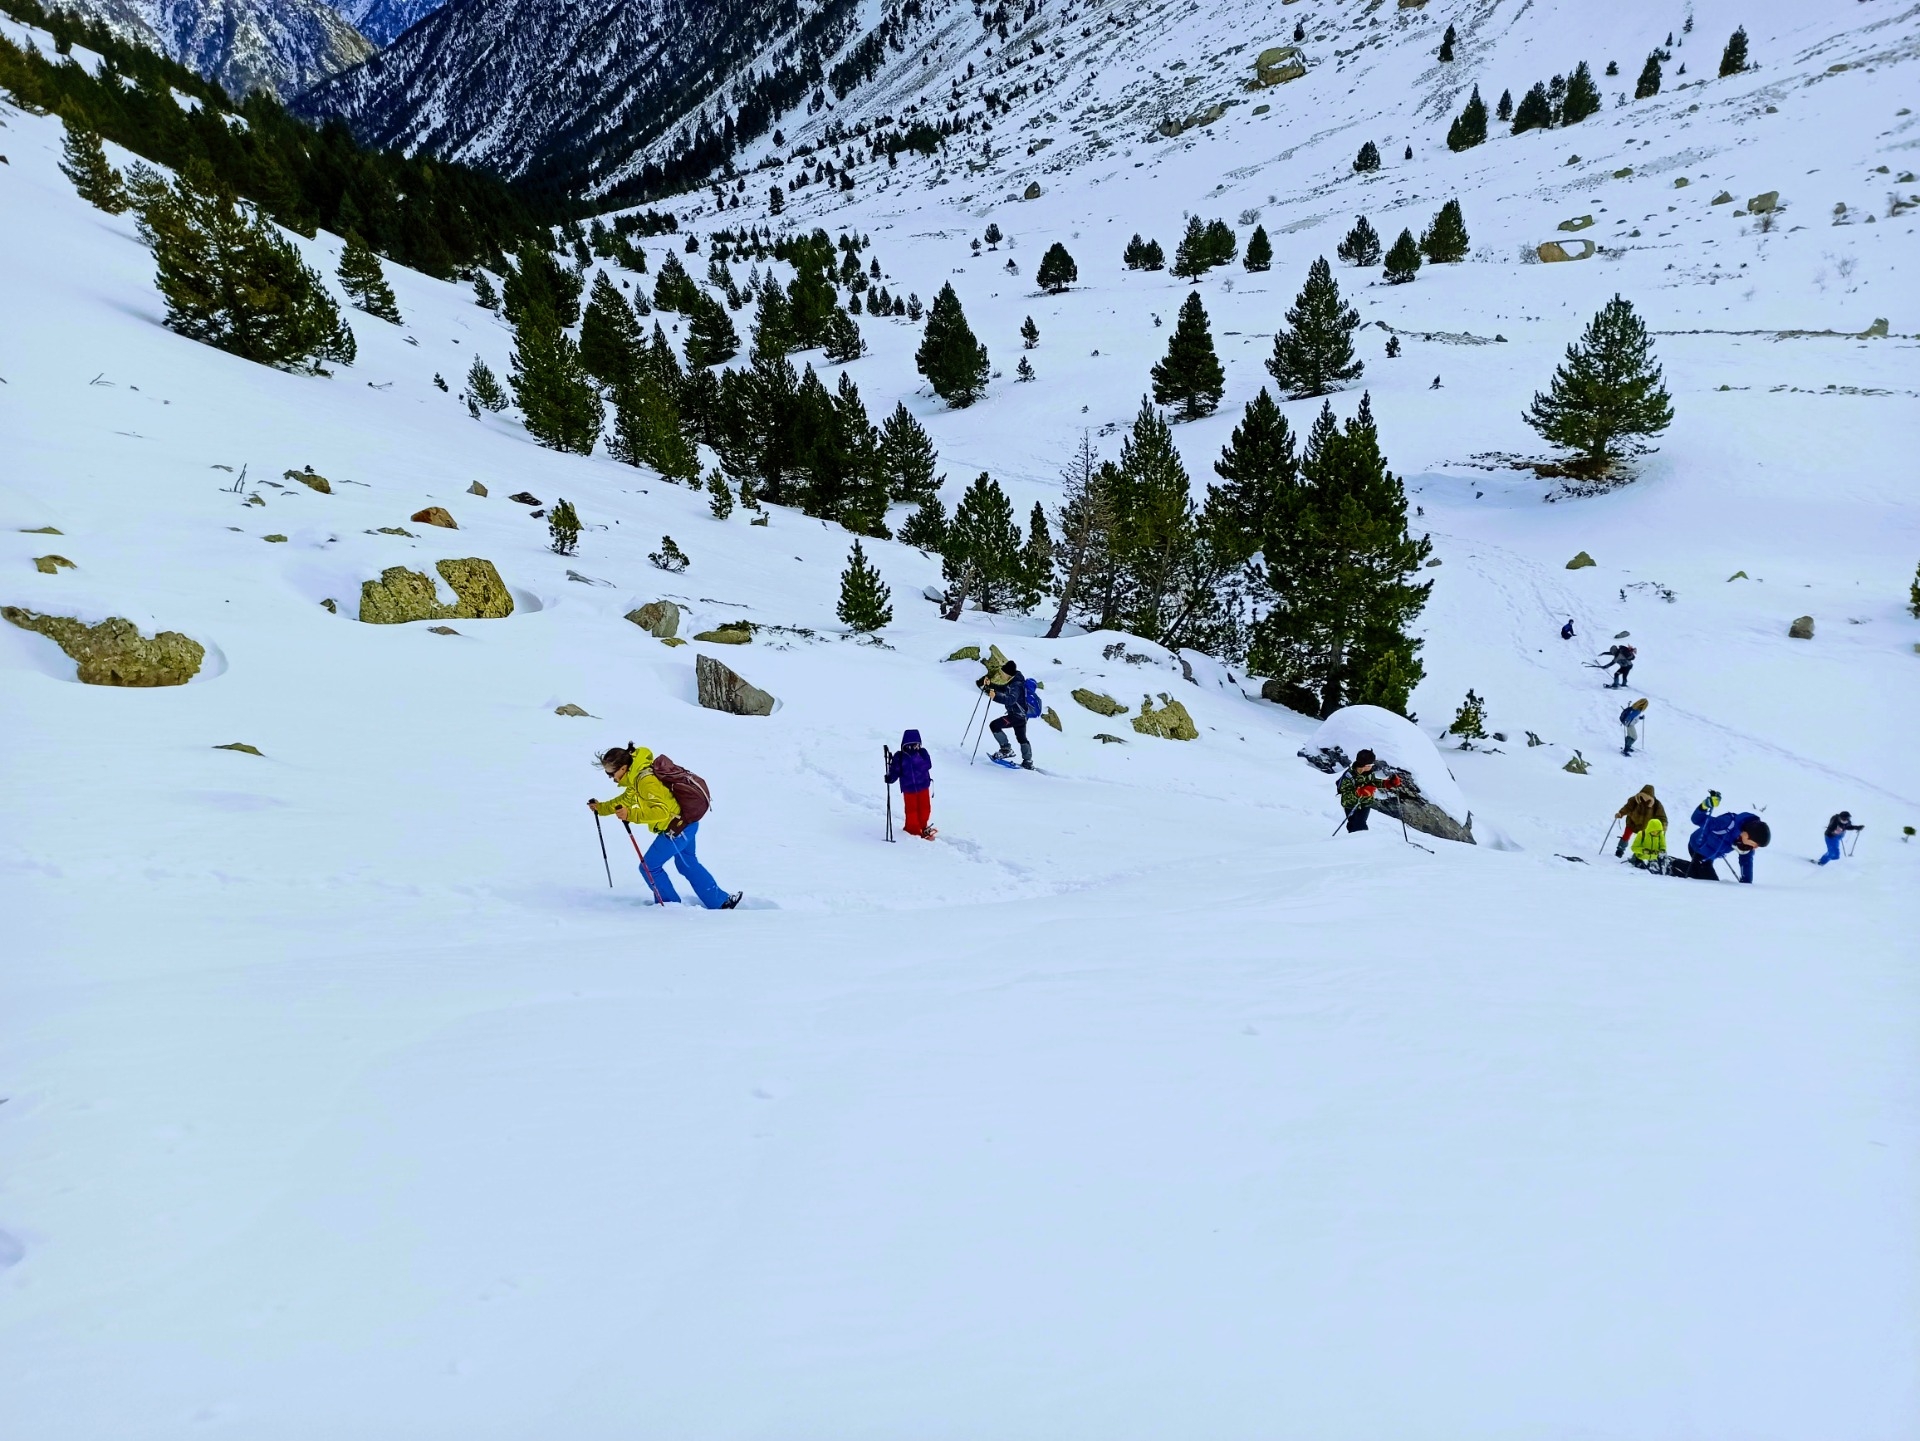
<point x="280" y="46"/>
<point x="384" y="21"/>
<point x="343" y="1097"/>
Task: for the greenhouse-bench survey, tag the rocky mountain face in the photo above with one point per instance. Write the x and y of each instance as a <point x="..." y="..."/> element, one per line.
<point x="384" y="21"/>
<point x="567" y="98"/>
<point x="280" y="46"/>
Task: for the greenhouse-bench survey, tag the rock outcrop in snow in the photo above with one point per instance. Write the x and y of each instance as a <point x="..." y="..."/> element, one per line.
<point x="1431" y="801"/>
<point x="724" y="689"/>
<point x="114" y="652"/>
<point x="402" y="595"/>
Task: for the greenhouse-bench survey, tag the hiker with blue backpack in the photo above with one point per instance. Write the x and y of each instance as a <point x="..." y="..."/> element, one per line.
<point x="1020" y="699"/>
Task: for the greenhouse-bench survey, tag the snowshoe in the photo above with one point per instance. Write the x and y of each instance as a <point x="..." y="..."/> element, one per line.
<point x="929" y="833"/>
<point x="1007" y="760"/>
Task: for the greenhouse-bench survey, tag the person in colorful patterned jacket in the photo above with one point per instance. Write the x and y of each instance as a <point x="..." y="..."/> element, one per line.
<point x="645" y="800"/>
<point x="1359" y="789"/>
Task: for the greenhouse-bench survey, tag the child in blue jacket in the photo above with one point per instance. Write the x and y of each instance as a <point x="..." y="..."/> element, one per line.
<point x="1714" y="836"/>
<point x="1837" y="829"/>
<point x="912" y="767"/>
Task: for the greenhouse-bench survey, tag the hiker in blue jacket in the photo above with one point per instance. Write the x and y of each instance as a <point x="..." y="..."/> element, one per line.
<point x="1714" y="836"/>
<point x="912" y="768"/>
<point x="1837" y="829"/>
<point x="1010" y="694"/>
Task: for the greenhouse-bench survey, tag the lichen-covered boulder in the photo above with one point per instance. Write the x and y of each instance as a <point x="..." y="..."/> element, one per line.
<point x="274" y="539"/>
<point x="672" y="640"/>
<point x="42" y="530"/>
<point x="723" y="689"/>
<point x="1581" y="561"/>
<point x="402" y="595"/>
<point x="1552" y="252"/>
<point x="658" y="618"/>
<point x="311" y="479"/>
<point x="1801" y="629"/>
<point x="114" y="652"/>
<point x="1761" y="204"/>
<point x="477" y="489"/>
<point x="51" y="564"/>
<point x="241" y="746"/>
<point x="1278" y="64"/>
<point x="1579" y="222"/>
<point x="725" y="636"/>
<point x="1032" y="192"/>
<point x="1725" y="197"/>
<point x="1107" y="740"/>
<point x="1170" y="722"/>
<point x="434" y="515"/>
<point x="1052" y="718"/>
<point x="570" y="709"/>
<point x="1577" y="764"/>
<point x="966" y="652"/>
<point x="1099" y="704"/>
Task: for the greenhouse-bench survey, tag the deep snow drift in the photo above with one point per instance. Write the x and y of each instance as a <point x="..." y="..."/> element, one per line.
<point x="342" y="1096"/>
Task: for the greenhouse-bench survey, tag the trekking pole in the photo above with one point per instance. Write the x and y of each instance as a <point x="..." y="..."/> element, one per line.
<point x="887" y="756"/>
<point x="1853" y="844"/>
<point x="601" y="832"/>
<point x="1606" y="837"/>
<point x="976" y="742"/>
<point x="1410" y="840"/>
<point x="658" y="899"/>
<point x="977" y="698"/>
<point x="1343" y="822"/>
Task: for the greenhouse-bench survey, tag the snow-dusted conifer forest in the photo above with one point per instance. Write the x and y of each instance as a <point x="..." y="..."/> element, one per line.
<point x="343" y="1092"/>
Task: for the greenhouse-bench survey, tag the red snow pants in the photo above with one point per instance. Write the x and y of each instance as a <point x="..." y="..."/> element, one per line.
<point x="919" y="810"/>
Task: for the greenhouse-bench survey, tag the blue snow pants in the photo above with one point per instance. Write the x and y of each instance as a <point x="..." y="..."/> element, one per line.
<point x="679" y="850"/>
<point x="1833" y="849"/>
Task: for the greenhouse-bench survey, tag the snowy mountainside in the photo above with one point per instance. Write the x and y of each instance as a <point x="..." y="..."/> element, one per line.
<point x="384" y="21"/>
<point x="343" y="1096"/>
<point x="280" y="46"/>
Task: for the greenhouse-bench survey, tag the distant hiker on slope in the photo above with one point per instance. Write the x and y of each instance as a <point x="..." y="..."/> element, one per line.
<point x="1359" y="788"/>
<point x="1630" y="718"/>
<point x="1619" y="658"/>
<point x="1641" y="807"/>
<point x="1737" y="832"/>
<point x="1566" y="631"/>
<point x="1010" y="693"/>
<point x="912" y="768"/>
<point x="669" y="801"/>
<point x="1837" y="829"/>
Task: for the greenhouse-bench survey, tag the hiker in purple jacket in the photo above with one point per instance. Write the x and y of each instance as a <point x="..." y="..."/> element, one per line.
<point x="912" y="767"/>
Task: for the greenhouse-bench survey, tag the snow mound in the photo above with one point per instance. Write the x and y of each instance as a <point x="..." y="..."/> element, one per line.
<point x="1398" y="742"/>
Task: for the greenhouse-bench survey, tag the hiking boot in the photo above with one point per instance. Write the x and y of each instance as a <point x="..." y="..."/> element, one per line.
<point x="1026" y="765"/>
<point x="1619" y="850"/>
<point x="733" y="900"/>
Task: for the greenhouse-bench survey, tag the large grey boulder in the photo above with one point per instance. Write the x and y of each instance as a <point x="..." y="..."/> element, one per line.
<point x="658" y="618"/>
<point x="402" y="595"/>
<point x="724" y="689"/>
<point x="1801" y="629"/>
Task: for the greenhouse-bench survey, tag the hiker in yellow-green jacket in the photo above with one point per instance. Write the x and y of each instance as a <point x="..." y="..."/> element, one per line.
<point x="669" y="801"/>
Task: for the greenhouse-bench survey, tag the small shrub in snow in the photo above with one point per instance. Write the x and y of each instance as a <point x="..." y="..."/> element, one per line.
<point x="1470" y="721"/>
<point x="563" y="527"/>
<point x="720" y="496"/>
<point x="669" y="557"/>
<point x="866" y="601"/>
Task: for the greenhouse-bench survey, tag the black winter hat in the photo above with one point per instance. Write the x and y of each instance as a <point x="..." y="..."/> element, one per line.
<point x="1365" y="758"/>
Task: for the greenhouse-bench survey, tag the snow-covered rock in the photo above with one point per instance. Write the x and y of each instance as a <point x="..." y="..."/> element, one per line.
<point x="1399" y="743"/>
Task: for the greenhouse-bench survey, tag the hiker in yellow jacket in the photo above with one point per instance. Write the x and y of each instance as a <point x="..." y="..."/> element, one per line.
<point x="645" y="800"/>
<point x="1650" y="846"/>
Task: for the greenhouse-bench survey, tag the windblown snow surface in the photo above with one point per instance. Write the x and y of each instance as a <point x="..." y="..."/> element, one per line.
<point x="340" y="1096"/>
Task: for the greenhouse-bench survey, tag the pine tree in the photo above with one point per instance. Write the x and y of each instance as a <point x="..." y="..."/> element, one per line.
<point x="1337" y="571"/>
<point x="1368" y="159"/>
<point x="1608" y="392"/>
<point x="1029" y="334"/>
<point x="953" y="361"/>
<point x="1057" y="270"/>
<point x="1469" y="127"/>
<point x="1403" y="260"/>
<point x="982" y="554"/>
<point x="1221" y="243"/>
<point x="1261" y="471"/>
<point x="83" y="160"/>
<point x="772" y="325"/>
<point x="1314" y="350"/>
<point x="538" y="283"/>
<point x="1734" y="58"/>
<point x="1024" y="371"/>
<point x="1393" y="347"/>
<point x="669" y="557"/>
<point x="711" y="338"/>
<point x="1583" y="96"/>
<point x="231" y="280"/>
<point x="556" y="396"/>
<point x="866" y="602"/>
<point x="1445" y="241"/>
<point x="1556" y="98"/>
<point x="1190" y="378"/>
<point x="1648" y="85"/>
<point x="1446" y="47"/>
<point x="484" y="295"/>
<point x="811" y="306"/>
<point x="1192" y="257"/>
<point x="914" y="308"/>
<point x="647" y="429"/>
<point x="907" y="458"/>
<point x="720" y="500"/>
<point x="1913" y="595"/>
<point x="563" y="528"/>
<point x="484" y="387"/>
<point x="1362" y="244"/>
<point x="1535" y="112"/>
<point x="1036" y="559"/>
<point x="926" y="528"/>
<point x="1083" y="560"/>
<point x="1259" y="250"/>
<point x="1143" y="254"/>
<point x="1504" y="111"/>
<point x="360" y="276"/>
<point x="843" y="338"/>
<point x="610" y="338"/>
<point x="1155" y="537"/>
<point x="1470" y="721"/>
<point x="673" y="288"/>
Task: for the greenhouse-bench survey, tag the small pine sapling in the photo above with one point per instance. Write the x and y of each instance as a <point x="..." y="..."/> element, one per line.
<point x="1535" y="111"/>
<point x="484" y="387"/>
<point x="669" y="557"/>
<point x="1393" y="347"/>
<point x="1313" y="351"/>
<point x="484" y="295"/>
<point x="1024" y="370"/>
<point x="1648" y="85"/>
<point x="1734" y="58"/>
<point x="720" y="496"/>
<point x="866" y="601"/>
<point x="1057" y="270"/>
<point x="84" y="161"/>
<point x="366" y="286"/>
<point x="1362" y="244"/>
<point x="1259" y="255"/>
<point x="1368" y="159"/>
<point x="563" y="527"/>
<point x="1403" y="260"/>
<point x="1445" y="241"/>
<point x="1503" y="112"/>
<point x="1470" y="721"/>
<point x="1469" y="127"/>
<point x="1446" y="46"/>
<point x="1913" y="594"/>
<point x="1029" y="334"/>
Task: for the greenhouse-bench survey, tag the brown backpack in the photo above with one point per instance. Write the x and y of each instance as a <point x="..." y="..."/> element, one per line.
<point x="687" y="789"/>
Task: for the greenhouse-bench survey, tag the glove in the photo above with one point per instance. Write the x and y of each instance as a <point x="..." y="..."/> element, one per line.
<point x="1393" y="783"/>
<point x="1712" y="800"/>
<point x="1365" y="793"/>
